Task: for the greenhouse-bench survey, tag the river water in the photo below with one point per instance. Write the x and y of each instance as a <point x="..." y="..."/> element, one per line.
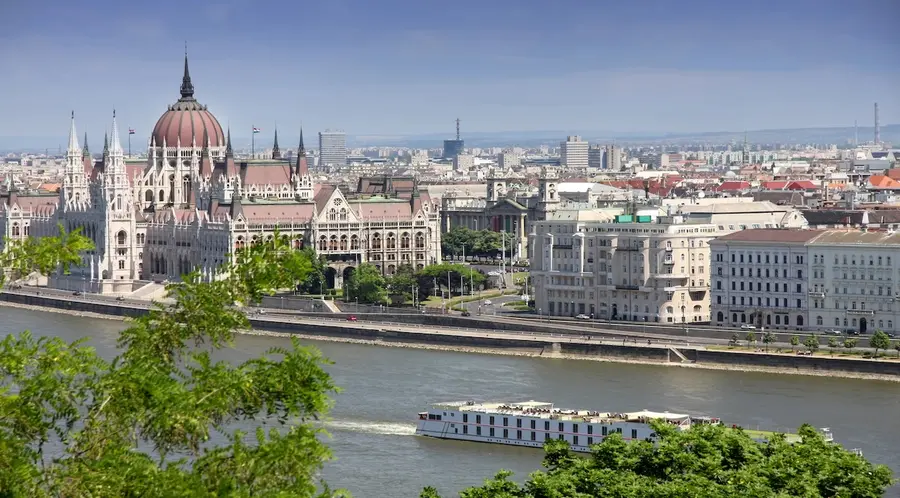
<point x="372" y="423"/>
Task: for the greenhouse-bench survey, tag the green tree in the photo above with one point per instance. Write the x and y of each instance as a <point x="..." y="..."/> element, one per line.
<point x="795" y="341"/>
<point x="314" y="283"/>
<point x="403" y="282"/>
<point x="879" y="340"/>
<point x="897" y="347"/>
<point x="768" y="338"/>
<point x="833" y="344"/>
<point x="812" y="343"/>
<point x="706" y="460"/>
<point x="453" y="276"/>
<point x="849" y="344"/>
<point x="751" y="338"/>
<point x="735" y="340"/>
<point x="366" y="284"/>
<point x="269" y="266"/>
<point x="488" y="244"/>
<point x="45" y="255"/>
<point x="140" y="425"/>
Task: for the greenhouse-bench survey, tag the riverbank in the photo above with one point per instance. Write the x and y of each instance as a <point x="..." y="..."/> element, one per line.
<point x="611" y="353"/>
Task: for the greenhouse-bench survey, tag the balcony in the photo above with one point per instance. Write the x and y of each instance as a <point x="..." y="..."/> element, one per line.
<point x="670" y="275"/>
<point x="819" y="294"/>
<point x="860" y="312"/>
<point x="562" y="246"/>
<point x="626" y="287"/>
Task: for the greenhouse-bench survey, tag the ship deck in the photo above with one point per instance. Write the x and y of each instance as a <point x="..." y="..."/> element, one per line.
<point x="544" y="410"/>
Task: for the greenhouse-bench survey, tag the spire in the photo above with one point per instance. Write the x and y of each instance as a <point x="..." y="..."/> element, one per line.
<point x="276" y="152"/>
<point x="105" y="143"/>
<point x="114" y="141"/>
<point x="84" y="151"/>
<point x="187" y="88"/>
<point x="302" y="167"/>
<point x="301" y="149"/>
<point x="73" y="136"/>
<point x="228" y="150"/>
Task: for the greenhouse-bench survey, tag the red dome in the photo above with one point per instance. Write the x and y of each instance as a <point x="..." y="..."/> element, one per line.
<point x="188" y="121"/>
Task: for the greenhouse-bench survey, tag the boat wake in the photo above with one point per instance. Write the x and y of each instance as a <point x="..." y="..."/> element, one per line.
<point x="368" y="427"/>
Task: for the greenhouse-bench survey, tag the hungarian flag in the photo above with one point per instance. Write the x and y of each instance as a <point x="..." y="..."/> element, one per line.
<point x="256" y="130"/>
<point x="131" y="131"/>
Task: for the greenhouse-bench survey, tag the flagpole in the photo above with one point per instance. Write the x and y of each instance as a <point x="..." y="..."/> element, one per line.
<point x="129" y="142"/>
<point x="252" y="140"/>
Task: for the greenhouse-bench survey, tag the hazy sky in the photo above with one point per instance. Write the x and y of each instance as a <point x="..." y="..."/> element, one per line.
<point x="407" y="67"/>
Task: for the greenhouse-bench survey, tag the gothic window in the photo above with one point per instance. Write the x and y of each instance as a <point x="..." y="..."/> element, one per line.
<point x="121" y="237"/>
<point x="391" y="241"/>
<point x="77" y="197"/>
<point x="186" y="187"/>
<point x="404" y="241"/>
<point x="332" y="214"/>
<point x="27" y="230"/>
<point x="121" y="264"/>
<point x="343" y="242"/>
<point x="148" y="196"/>
<point x="376" y="241"/>
<point x="343" y="214"/>
<point x="162" y="196"/>
<point x="354" y="242"/>
<point x="420" y="240"/>
<point x="119" y="202"/>
<point x="15" y="229"/>
<point x="239" y="243"/>
<point x="333" y="243"/>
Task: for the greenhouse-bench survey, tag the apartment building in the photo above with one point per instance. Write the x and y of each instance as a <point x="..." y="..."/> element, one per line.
<point x="761" y="278"/>
<point x="807" y="280"/>
<point x="573" y="153"/>
<point x="621" y="268"/>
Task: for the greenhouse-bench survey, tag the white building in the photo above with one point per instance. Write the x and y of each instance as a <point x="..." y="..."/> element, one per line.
<point x="583" y="262"/>
<point x="191" y="203"/>
<point x="573" y="153"/>
<point x="508" y="160"/>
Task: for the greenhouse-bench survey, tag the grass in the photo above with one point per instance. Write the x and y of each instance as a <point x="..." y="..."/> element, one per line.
<point x="436" y="302"/>
<point x="766" y="435"/>
<point x="837" y="353"/>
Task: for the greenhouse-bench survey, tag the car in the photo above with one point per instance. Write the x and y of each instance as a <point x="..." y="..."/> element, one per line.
<point x="488" y="302"/>
<point x="891" y="335"/>
<point x="351" y="318"/>
<point x="748" y="327"/>
<point x="466" y="313"/>
<point x="582" y="317"/>
<point x="76" y="293"/>
<point x="853" y="332"/>
<point x="120" y="298"/>
<point x="834" y="332"/>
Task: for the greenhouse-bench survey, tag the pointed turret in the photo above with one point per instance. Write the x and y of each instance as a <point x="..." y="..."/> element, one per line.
<point x="187" y="88"/>
<point x="84" y="150"/>
<point x="73" y="137"/>
<point x="302" y="167"/>
<point x="105" y="144"/>
<point x="416" y="199"/>
<point x="276" y="152"/>
<point x="116" y="145"/>
<point x="228" y="150"/>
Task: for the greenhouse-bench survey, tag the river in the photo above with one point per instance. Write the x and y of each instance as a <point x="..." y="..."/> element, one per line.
<point x="372" y="423"/>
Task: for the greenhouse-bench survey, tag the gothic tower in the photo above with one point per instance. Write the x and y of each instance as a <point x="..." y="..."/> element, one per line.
<point x="303" y="183"/>
<point x="496" y="186"/>
<point x="548" y="192"/>
<point x="75" y="187"/>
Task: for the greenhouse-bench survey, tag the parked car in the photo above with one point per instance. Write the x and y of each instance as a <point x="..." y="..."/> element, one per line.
<point x="852" y="332"/>
<point x="582" y="317"/>
<point x="834" y="332"/>
<point x="891" y="335"/>
<point x="351" y="318"/>
<point x="466" y="313"/>
<point x="487" y="302"/>
<point x="748" y="327"/>
<point x="120" y="298"/>
<point x="76" y="293"/>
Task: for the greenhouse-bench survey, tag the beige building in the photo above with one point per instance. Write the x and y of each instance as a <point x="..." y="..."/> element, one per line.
<point x="584" y="262"/>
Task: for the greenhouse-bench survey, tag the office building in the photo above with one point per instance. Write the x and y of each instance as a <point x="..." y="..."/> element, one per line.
<point x="612" y="158"/>
<point x="573" y="153"/>
<point x="332" y="149"/>
<point x="595" y="157"/>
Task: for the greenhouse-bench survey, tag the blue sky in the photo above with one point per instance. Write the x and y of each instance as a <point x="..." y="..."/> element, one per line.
<point x="408" y="67"/>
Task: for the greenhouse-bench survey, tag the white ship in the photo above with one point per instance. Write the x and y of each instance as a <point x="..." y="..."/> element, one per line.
<point x="531" y="423"/>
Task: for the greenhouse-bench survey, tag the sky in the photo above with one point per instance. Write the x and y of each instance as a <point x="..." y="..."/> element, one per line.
<point x="398" y="67"/>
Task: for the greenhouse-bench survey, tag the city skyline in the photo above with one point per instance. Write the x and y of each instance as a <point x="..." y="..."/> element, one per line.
<point x="406" y="68"/>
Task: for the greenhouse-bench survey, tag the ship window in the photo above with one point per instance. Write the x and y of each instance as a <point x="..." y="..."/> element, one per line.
<point x="561" y="427"/>
<point x="633" y="433"/>
<point x="465" y="429"/>
<point x="561" y="437"/>
<point x="619" y="430"/>
<point x="603" y="431"/>
<point x="534" y="436"/>
<point x="478" y="430"/>
<point x="575" y="440"/>
<point x="546" y="436"/>
<point x="518" y="434"/>
<point x="518" y="422"/>
<point x="590" y="440"/>
<point x="532" y="424"/>
<point x="575" y="428"/>
<point x="465" y="418"/>
<point x="477" y="419"/>
<point x="491" y="420"/>
<point x="505" y="421"/>
<point x="546" y="425"/>
<point x="491" y="431"/>
<point x="590" y="429"/>
<point x="505" y="433"/>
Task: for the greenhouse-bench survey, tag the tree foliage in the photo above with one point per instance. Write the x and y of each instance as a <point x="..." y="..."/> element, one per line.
<point x="158" y="420"/>
<point x="879" y="340"/>
<point x="474" y="243"/>
<point x="706" y="461"/>
<point x="45" y="255"/>
<point x="366" y="284"/>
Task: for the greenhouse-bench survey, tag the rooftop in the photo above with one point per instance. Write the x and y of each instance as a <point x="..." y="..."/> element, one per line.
<point x="769" y="235"/>
<point x="544" y="410"/>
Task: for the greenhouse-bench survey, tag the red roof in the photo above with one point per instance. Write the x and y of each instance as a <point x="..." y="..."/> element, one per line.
<point x="774" y="185"/>
<point x="802" y="185"/>
<point x="733" y="186"/>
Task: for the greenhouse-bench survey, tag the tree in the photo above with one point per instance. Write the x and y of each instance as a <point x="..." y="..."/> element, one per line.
<point x="735" y="340"/>
<point x="768" y="338"/>
<point x="488" y="244"/>
<point x="833" y="344"/>
<point x="22" y="257"/>
<point x="365" y="284"/>
<point x="879" y="340"/>
<point x="751" y="338"/>
<point x="453" y="276"/>
<point x="314" y="283"/>
<point x="849" y="343"/>
<point x="707" y="460"/>
<point x="403" y="282"/>
<point x="140" y="425"/>
<point x="897" y="347"/>
<point x="269" y="266"/>
<point x="795" y="341"/>
<point x="812" y="343"/>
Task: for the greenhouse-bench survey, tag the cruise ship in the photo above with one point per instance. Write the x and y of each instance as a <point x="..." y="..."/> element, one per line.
<point x="531" y="423"/>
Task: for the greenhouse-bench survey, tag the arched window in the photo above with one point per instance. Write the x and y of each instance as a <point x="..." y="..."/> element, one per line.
<point x="343" y="242"/>
<point x="404" y="241"/>
<point x="837" y="322"/>
<point x="670" y="310"/>
<point x="323" y="243"/>
<point x="420" y="240"/>
<point x="15" y="229"/>
<point x="734" y="318"/>
<point x="819" y="320"/>
<point x="333" y="243"/>
<point x="186" y="188"/>
<point x="391" y="241"/>
<point x="121" y="237"/>
<point x="343" y="214"/>
<point x="720" y="317"/>
<point x="799" y="320"/>
<point x="354" y="242"/>
<point x="777" y="319"/>
<point x="391" y="269"/>
<point x="376" y="241"/>
<point x="743" y="318"/>
<point x="148" y="196"/>
<point x="787" y="320"/>
<point x="890" y="325"/>
<point x="119" y="202"/>
<point x="332" y="214"/>
<point x="162" y="196"/>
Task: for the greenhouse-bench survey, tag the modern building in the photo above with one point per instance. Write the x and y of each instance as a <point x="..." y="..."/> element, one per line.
<point x="332" y="149"/>
<point x="596" y="155"/>
<point x="508" y="160"/>
<point x="191" y="203"/>
<point x="573" y="153"/>
<point x="612" y="158"/>
<point x="630" y="268"/>
<point x="844" y="280"/>
<point x="453" y="148"/>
